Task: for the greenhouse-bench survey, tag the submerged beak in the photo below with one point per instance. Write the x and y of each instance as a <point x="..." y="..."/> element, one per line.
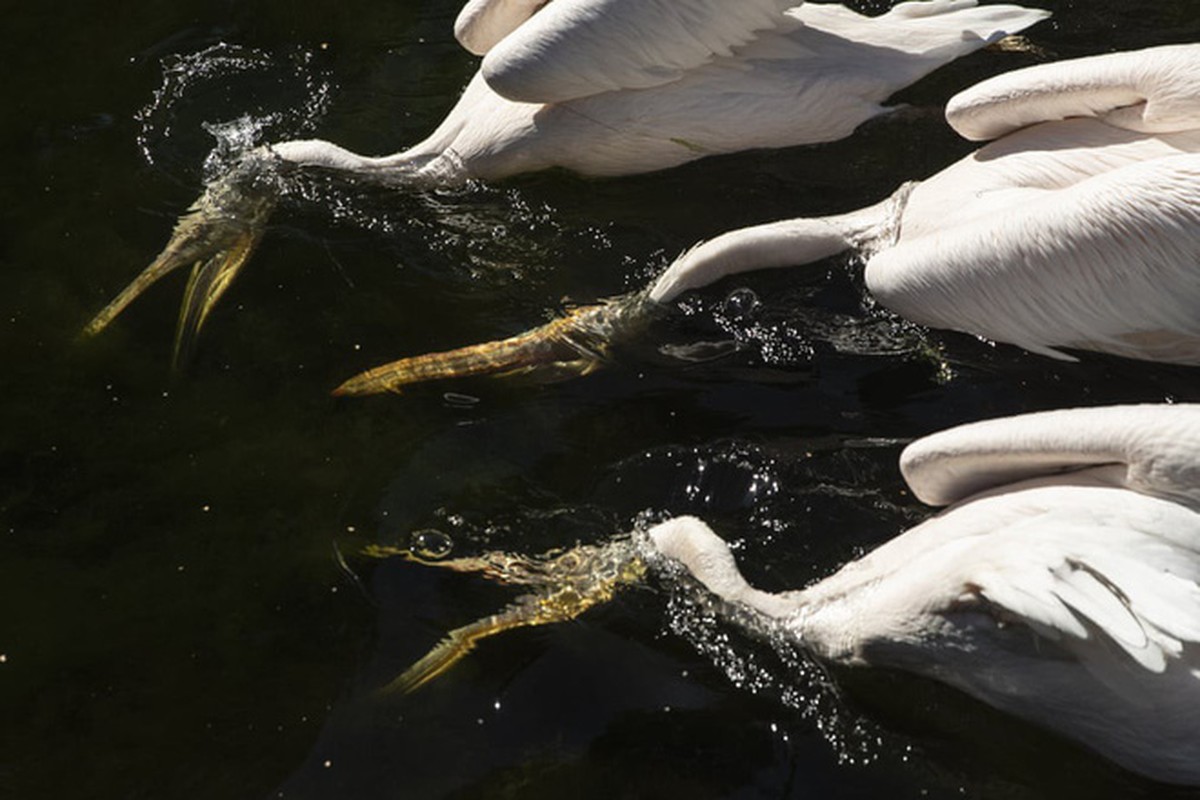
<point x="566" y="347"/>
<point x="564" y="585"/>
<point x="216" y="236"/>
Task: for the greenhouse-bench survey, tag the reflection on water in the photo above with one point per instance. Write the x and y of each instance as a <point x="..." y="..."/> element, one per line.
<point x="191" y="614"/>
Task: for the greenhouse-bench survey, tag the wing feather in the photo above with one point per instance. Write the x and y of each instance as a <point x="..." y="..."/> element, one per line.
<point x="1150" y="91"/>
<point x="1158" y="445"/>
<point x="482" y="24"/>
<point x="1098" y="581"/>
<point x="577" y="48"/>
<point x="1106" y="264"/>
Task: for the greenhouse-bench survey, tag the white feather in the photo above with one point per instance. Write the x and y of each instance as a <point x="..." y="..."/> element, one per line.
<point x="577" y="48"/>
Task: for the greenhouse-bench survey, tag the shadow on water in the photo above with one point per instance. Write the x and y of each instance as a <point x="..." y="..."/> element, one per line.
<point x="188" y="612"/>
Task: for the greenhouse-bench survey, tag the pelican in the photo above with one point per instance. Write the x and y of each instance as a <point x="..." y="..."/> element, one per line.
<point x="1060" y="585"/>
<point x="1077" y="228"/>
<point x="605" y="87"/>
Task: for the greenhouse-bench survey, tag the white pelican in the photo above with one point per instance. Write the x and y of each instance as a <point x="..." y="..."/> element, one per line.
<point x="607" y="87"/>
<point x="1078" y="228"/>
<point x="1062" y="584"/>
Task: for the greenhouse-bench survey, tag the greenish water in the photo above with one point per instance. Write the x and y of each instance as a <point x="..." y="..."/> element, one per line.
<point x="187" y="612"/>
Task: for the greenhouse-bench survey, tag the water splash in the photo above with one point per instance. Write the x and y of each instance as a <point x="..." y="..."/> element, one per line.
<point x="791" y="319"/>
<point x="474" y="235"/>
<point x="772" y="489"/>
<point x="755" y="654"/>
<point x="291" y="96"/>
<point x="471" y="233"/>
<point x="758" y="657"/>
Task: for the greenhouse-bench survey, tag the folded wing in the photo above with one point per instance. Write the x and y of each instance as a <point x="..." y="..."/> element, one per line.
<point x="1149" y="91"/>
<point x="577" y="48"/>
<point x="1158" y="445"/>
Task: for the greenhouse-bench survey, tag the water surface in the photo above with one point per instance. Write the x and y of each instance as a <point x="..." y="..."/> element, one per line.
<point x="188" y="610"/>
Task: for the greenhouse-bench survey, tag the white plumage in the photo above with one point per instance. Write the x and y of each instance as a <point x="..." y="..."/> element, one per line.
<point x="1062" y="584"/>
<point x="1071" y="231"/>
<point x="614" y="87"/>
<point x="577" y="48"/>
<point x="483" y="23"/>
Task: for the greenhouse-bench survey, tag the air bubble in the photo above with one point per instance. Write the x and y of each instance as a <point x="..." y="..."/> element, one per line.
<point x="431" y="543"/>
<point x="741" y="303"/>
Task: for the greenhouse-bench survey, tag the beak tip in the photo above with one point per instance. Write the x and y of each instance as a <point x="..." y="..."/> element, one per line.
<point x="359" y="386"/>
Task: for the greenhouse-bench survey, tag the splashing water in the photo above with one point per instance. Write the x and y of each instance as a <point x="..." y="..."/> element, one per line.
<point x="769" y="488"/>
<point x="484" y="233"/>
<point x="290" y="94"/>
<point x="474" y="235"/>
<point x="756" y="656"/>
<point x="792" y="319"/>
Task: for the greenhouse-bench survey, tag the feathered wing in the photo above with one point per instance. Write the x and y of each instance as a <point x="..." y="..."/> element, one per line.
<point x="1108" y="583"/>
<point x="1157" y="445"/>
<point x="483" y="23"/>
<point x="815" y="82"/>
<point x="577" y="48"/>
<point x="1150" y="91"/>
<point x="937" y="30"/>
<point x="1107" y="264"/>
<point x="1100" y="585"/>
<point x="1066" y="600"/>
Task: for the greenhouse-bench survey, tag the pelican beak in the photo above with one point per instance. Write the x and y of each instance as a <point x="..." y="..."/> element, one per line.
<point x="570" y="346"/>
<point x="216" y="236"/>
<point x="564" y="585"/>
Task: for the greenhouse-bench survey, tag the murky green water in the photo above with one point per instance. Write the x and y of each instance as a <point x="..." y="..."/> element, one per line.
<point x="187" y="610"/>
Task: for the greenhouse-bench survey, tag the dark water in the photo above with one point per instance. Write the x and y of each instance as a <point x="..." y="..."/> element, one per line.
<point x="187" y="610"/>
